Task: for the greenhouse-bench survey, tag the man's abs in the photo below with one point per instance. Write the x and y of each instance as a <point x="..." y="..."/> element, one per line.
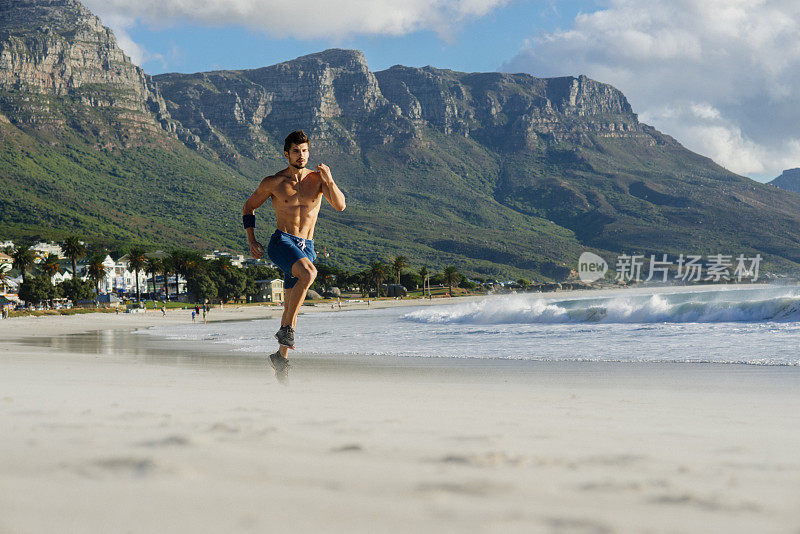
<point x="297" y="221"/>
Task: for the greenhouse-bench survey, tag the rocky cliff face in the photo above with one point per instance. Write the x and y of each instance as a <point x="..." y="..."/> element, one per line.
<point x="345" y="107"/>
<point x="59" y="63"/>
<point x="514" y="111"/>
<point x="60" y="67"/>
<point x="788" y="180"/>
<point x="332" y="95"/>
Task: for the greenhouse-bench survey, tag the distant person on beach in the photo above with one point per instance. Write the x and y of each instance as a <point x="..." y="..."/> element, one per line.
<point x="194" y="315"/>
<point x="163" y="311"/>
<point x="296" y="194"/>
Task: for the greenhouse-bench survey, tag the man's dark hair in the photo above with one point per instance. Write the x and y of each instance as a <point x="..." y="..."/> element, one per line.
<point x="297" y="137"/>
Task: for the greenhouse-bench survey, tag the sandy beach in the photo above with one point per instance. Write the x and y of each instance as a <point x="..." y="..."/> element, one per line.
<point x="109" y="431"/>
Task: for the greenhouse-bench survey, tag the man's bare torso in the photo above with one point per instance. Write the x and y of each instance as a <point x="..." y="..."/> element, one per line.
<point x="296" y="202"/>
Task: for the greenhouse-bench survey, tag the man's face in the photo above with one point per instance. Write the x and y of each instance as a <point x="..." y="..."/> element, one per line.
<point x="297" y="155"/>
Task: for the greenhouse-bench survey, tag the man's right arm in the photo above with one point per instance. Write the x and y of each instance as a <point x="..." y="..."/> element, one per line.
<point x="261" y="194"/>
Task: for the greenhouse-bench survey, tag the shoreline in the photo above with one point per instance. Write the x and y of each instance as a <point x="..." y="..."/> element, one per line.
<point x="20" y="327"/>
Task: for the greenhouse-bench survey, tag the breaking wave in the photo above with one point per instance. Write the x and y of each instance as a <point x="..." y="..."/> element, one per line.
<point x="695" y="307"/>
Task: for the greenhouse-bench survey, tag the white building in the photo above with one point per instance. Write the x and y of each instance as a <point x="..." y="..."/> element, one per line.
<point x="43" y="249"/>
<point x="271" y="290"/>
<point x="8" y="243"/>
<point x="125" y="278"/>
<point x="117" y="277"/>
<point x="235" y="259"/>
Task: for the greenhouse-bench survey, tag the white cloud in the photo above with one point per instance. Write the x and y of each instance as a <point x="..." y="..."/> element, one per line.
<point x="305" y="19"/>
<point x="722" y="76"/>
<point x="138" y="54"/>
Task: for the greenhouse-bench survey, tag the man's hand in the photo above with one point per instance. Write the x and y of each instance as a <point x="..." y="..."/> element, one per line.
<point x="329" y="188"/>
<point x="256" y="250"/>
<point x="325" y="172"/>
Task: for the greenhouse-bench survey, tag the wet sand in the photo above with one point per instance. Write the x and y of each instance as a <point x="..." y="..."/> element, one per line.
<point x="110" y="431"/>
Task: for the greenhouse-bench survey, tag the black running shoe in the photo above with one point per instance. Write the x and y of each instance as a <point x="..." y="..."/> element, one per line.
<point x="285" y="336"/>
<point x="281" y="366"/>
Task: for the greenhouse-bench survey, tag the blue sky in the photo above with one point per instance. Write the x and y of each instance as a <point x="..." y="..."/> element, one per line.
<point x="721" y="76"/>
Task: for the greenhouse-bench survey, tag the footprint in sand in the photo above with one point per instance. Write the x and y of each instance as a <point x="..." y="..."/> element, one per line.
<point x="471" y="488"/>
<point x="352" y="447"/>
<point x="169" y="441"/>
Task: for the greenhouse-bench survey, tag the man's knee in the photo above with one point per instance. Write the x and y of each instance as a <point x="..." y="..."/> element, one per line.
<point x="306" y="273"/>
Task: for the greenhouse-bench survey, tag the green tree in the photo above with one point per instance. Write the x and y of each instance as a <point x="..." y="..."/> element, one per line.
<point x="262" y="272"/>
<point x="136" y="260"/>
<point x="423" y="273"/>
<point x="467" y="284"/>
<point x="325" y="274"/>
<point x="363" y="280"/>
<point x="166" y="269"/>
<point x="76" y="290"/>
<point x="524" y="283"/>
<point x="202" y="288"/>
<point x="377" y="272"/>
<point x="251" y="289"/>
<point x="397" y="266"/>
<point x="97" y="271"/>
<point x="36" y="289"/>
<point x="231" y="281"/>
<point x="23" y="259"/>
<point x="410" y="280"/>
<point x="451" y="277"/>
<point x="177" y="261"/>
<point x="74" y="249"/>
<point x="152" y="266"/>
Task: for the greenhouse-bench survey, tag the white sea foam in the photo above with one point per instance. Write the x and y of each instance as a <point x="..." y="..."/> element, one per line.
<point x="705" y="306"/>
<point x="755" y="326"/>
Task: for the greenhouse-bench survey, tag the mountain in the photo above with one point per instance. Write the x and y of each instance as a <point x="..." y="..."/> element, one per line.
<point x="86" y="143"/>
<point x="788" y="180"/>
<point x="500" y="174"/>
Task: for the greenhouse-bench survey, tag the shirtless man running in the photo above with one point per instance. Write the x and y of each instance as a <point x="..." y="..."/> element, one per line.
<point x="296" y="194"/>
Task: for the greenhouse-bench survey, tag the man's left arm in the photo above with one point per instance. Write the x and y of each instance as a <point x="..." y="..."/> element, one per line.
<point x="330" y="190"/>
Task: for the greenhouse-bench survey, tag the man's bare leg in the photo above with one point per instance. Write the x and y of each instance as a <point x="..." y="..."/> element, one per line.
<point x="306" y="273"/>
<point x="285" y="319"/>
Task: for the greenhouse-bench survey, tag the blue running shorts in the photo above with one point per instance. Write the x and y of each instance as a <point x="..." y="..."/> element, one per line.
<point x="285" y="249"/>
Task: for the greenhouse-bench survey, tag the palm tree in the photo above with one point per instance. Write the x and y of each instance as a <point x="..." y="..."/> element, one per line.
<point x="377" y="271"/>
<point x="23" y="258"/>
<point x="74" y="249"/>
<point x="136" y="261"/>
<point x="50" y="266"/>
<point x="153" y="267"/>
<point x="97" y="271"/>
<point x="452" y="276"/>
<point x="343" y="279"/>
<point x="178" y="261"/>
<point x="166" y="268"/>
<point x="397" y="266"/>
<point x="423" y="272"/>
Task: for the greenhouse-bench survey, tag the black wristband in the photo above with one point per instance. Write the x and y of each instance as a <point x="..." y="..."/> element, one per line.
<point x="249" y="221"/>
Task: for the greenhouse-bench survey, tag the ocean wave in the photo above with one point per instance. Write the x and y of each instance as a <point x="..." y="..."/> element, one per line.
<point x="708" y="307"/>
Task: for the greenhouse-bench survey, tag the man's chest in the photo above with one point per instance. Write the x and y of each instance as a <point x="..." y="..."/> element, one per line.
<point x="305" y="193"/>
